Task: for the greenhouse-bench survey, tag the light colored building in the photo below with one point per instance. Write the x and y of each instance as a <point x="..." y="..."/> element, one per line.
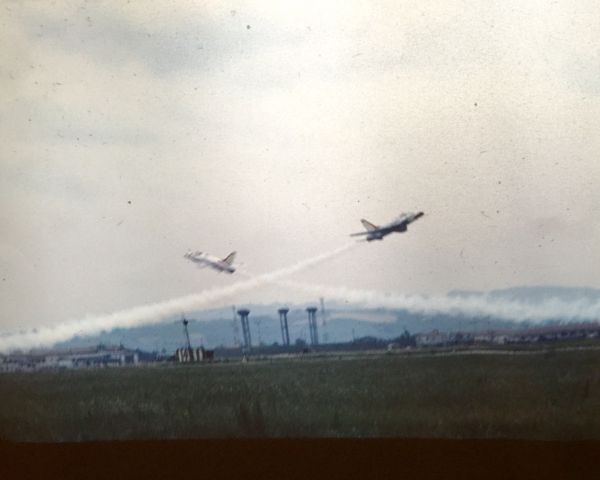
<point x="430" y="339"/>
<point x="187" y="355"/>
<point x="98" y="356"/>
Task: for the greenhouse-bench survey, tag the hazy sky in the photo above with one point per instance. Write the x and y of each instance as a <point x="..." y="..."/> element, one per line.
<point x="132" y="132"/>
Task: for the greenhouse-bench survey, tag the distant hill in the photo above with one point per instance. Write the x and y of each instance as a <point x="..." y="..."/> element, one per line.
<point x="342" y="326"/>
<point x="215" y="327"/>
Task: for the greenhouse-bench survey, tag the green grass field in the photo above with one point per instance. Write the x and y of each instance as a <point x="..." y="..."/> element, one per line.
<point x="553" y="395"/>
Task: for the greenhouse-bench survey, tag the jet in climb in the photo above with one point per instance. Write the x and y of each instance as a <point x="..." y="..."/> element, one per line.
<point x="205" y="260"/>
<point x="373" y="232"/>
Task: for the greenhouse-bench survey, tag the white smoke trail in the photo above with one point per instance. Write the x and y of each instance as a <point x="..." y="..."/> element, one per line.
<point x="150" y="314"/>
<point x="475" y="306"/>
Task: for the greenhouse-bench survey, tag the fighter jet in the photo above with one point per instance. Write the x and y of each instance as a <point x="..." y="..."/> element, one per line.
<point x="373" y="232"/>
<point x="206" y="260"/>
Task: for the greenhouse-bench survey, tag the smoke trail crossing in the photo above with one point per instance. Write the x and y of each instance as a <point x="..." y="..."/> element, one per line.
<point x="469" y="306"/>
<point x="152" y="313"/>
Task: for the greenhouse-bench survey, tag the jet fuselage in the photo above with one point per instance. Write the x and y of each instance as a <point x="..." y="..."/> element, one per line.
<point x="400" y="225"/>
<point x="206" y="260"/>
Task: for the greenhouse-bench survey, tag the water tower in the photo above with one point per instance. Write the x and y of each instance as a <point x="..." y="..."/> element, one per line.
<point x="285" y="334"/>
<point x="312" y="325"/>
<point x="243" y="313"/>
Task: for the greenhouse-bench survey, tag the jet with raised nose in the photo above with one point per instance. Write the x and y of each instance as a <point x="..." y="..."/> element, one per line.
<point x="374" y="232"/>
<point x="205" y="260"/>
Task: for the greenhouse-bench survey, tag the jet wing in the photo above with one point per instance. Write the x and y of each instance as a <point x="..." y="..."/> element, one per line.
<point x="373" y="232"/>
<point x="380" y="232"/>
<point x="376" y="231"/>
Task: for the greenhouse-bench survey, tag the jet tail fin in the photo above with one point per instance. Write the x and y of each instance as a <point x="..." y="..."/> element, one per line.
<point x="368" y="225"/>
<point x="229" y="258"/>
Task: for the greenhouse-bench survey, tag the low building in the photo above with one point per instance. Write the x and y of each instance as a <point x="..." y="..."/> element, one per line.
<point x="98" y="356"/>
<point x="188" y="355"/>
<point x="431" y="339"/>
<point x="545" y="333"/>
<point x="567" y="331"/>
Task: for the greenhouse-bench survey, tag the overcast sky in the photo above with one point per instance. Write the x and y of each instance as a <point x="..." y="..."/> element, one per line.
<point x="132" y="132"/>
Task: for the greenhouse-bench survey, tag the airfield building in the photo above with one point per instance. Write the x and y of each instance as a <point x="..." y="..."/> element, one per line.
<point x="98" y="356"/>
<point x="188" y="355"/>
<point x="431" y="339"/>
<point x="546" y="333"/>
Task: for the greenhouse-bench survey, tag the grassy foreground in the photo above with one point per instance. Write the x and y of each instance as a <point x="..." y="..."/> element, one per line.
<point x="543" y="396"/>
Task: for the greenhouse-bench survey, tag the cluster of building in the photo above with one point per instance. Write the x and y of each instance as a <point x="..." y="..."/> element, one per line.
<point x="98" y="356"/>
<point x="570" y="331"/>
<point x="111" y="356"/>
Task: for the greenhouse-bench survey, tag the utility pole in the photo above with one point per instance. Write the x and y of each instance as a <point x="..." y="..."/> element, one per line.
<point x="324" y="320"/>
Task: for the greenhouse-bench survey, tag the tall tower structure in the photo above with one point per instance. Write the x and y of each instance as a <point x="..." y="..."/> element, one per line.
<point x="236" y="329"/>
<point x="243" y="313"/>
<point x="185" y="322"/>
<point x="312" y="325"/>
<point x="285" y="334"/>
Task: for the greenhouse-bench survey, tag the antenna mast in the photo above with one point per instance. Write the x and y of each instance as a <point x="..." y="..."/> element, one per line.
<point x="324" y="320"/>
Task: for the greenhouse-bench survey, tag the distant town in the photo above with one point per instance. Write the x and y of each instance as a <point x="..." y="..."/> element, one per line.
<point x="106" y="356"/>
